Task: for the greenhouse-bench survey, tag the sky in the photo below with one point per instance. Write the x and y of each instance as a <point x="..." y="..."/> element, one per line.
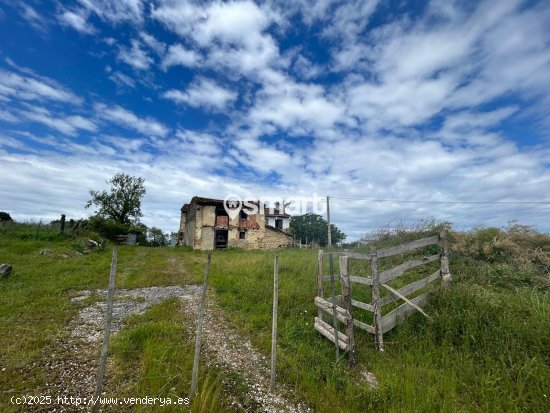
<point x="399" y="111"/>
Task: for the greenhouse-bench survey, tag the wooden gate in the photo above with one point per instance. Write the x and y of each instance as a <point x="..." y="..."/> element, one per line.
<point x="343" y="304"/>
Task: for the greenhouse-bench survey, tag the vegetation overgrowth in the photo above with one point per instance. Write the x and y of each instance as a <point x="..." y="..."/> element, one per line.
<point x="485" y="349"/>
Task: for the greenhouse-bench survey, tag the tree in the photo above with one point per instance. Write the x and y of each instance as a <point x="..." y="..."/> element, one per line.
<point x="122" y="205"/>
<point x="314" y="227"/>
<point x="4" y="216"/>
<point x="157" y="238"/>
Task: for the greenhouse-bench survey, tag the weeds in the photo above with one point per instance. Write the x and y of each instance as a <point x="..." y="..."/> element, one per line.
<point x="486" y="348"/>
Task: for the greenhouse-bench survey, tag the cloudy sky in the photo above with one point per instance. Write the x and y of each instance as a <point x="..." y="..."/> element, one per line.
<point x="365" y="101"/>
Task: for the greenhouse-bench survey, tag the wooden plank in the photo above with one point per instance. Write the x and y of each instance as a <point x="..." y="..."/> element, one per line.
<point x="360" y="256"/>
<point x="327" y="331"/>
<point x="333" y="295"/>
<point x="444" y="249"/>
<point x="411" y="288"/>
<point x="379" y="334"/>
<point x="346" y="298"/>
<point x="395" y="272"/>
<point x="329" y="328"/>
<point x="400" y="249"/>
<point x="364" y="306"/>
<point x="328" y="278"/>
<point x="364" y="326"/>
<point x="417" y="308"/>
<point x="391" y="319"/>
<point x="320" y="278"/>
<point x="337" y="298"/>
<point x="360" y="280"/>
<point x="335" y="253"/>
<point x="341" y="313"/>
<point x="354" y="255"/>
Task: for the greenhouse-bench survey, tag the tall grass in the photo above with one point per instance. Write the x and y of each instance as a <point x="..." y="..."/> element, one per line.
<point x="485" y="349"/>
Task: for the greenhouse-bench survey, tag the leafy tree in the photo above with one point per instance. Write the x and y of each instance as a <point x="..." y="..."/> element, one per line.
<point x="4" y="216"/>
<point x="157" y="238"/>
<point x="314" y="227"/>
<point x="122" y="205"/>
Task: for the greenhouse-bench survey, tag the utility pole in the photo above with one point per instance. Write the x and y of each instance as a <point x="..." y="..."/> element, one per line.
<point x="329" y="242"/>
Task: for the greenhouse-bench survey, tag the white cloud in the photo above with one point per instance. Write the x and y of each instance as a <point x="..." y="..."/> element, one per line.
<point x="237" y="22"/>
<point x="66" y="124"/>
<point x="129" y="120"/>
<point x="298" y="107"/>
<point x="135" y="56"/>
<point x="7" y="116"/>
<point x="158" y="46"/>
<point x="177" y="55"/>
<point x="32" y="87"/>
<point x="115" y="11"/>
<point x="77" y="20"/>
<point x="203" y="93"/>
<point x="122" y="80"/>
<point x="232" y="33"/>
<point x="33" y="18"/>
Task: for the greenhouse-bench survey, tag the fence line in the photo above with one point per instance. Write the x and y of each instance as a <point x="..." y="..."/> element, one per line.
<point x="341" y="306"/>
<point x="107" y="333"/>
<point x="195" y="374"/>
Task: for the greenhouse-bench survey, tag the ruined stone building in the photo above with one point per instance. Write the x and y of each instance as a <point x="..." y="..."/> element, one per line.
<point x="206" y="225"/>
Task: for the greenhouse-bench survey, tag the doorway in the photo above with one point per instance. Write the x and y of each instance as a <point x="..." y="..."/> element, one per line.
<point x="220" y="238"/>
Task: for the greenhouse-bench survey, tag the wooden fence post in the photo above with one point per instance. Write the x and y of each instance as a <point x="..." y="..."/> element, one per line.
<point x="106" y="332"/>
<point x="320" y="279"/>
<point x="346" y="298"/>
<point x="62" y="229"/>
<point x="444" y="248"/>
<point x="195" y="376"/>
<point x="379" y="336"/>
<point x="333" y="292"/>
<point x="274" y="321"/>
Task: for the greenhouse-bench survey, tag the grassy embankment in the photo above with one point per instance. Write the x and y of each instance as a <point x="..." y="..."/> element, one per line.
<point x="485" y="349"/>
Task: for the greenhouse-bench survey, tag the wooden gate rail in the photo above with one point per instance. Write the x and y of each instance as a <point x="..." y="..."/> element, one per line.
<point x="381" y="324"/>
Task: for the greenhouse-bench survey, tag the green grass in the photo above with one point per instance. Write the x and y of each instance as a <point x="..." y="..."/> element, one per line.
<point x="150" y="357"/>
<point x="485" y="349"/>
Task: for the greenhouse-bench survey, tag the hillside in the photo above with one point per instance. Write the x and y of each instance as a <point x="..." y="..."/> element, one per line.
<point x="485" y="349"/>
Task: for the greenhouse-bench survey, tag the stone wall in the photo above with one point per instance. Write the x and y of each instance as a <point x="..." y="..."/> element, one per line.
<point x="183" y="220"/>
<point x="198" y="227"/>
<point x="276" y="239"/>
<point x="190" y="225"/>
<point x="207" y="239"/>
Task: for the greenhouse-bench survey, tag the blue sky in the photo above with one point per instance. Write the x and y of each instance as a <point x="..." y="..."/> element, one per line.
<point x="436" y="100"/>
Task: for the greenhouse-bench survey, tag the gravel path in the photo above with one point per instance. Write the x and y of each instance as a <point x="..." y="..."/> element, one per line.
<point x="72" y="362"/>
<point x="226" y="348"/>
<point x="72" y="365"/>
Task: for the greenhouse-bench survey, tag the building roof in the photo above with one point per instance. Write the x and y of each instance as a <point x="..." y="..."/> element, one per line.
<point x="198" y="200"/>
<point x="206" y="201"/>
<point x="276" y="213"/>
<point x="272" y="228"/>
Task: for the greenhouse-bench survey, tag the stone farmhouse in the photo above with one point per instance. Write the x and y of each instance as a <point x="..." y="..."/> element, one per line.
<point x="206" y="225"/>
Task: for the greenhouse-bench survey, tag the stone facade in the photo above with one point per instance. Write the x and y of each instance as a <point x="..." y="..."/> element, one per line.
<point x="205" y="225"/>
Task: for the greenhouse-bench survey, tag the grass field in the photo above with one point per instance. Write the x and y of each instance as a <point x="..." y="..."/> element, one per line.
<point x="487" y="347"/>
